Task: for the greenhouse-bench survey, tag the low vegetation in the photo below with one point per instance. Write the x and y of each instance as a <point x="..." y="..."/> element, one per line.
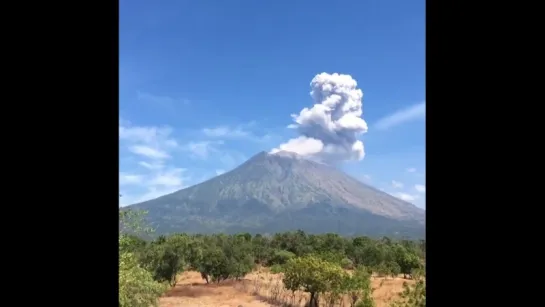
<point x="322" y="270"/>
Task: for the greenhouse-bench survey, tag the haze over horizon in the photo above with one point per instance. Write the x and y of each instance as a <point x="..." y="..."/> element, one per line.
<point x="206" y="85"/>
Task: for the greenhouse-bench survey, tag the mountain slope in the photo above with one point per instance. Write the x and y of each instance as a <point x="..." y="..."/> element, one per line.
<point x="283" y="191"/>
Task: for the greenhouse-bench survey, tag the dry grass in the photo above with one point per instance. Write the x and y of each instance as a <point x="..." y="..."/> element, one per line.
<point x="259" y="289"/>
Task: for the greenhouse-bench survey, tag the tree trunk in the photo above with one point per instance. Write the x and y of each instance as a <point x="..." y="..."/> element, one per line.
<point x="205" y="277"/>
<point x="313" y="300"/>
<point x="354" y="299"/>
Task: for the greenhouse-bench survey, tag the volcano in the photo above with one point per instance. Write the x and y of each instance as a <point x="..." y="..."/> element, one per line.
<point x="280" y="192"/>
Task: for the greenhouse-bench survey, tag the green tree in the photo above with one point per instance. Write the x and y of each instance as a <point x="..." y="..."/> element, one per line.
<point x="194" y="252"/>
<point x="247" y="237"/>
<point x="214" y="265"/>
<point x="168" y="258"/>
<point x="382" y="269"/>
<point x="332" y="242"/>
<point x="313" y="275"/>
<point x="131" y="224"/>
<point x="332" y="256"/>
<point x="407" y="260"/>
<point x="412" y="296"/>
<point x="293" y="241"/>
<point x="358" y="288"/>
<point x="281" y="257"/>
<point x="225" y="257"/>
<point x="134" y="244"/>
<point x="372" y="254"/>
<point x="347" y="264"/>
<point x="361" y="241"/>
<point x="393" y="268"/>
<point x="136" y="285"/>
<point x="261" y="249"/>
<point x="238" y="252"/>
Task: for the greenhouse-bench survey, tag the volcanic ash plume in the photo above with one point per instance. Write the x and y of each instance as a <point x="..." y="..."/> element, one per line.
<point x="329" y="130"/>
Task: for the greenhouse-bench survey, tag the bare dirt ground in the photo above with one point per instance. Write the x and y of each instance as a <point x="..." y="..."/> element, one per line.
<point x="258" y="289"/>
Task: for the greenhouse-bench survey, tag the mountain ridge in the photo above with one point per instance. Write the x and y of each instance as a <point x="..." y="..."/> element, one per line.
<point x="283" y="191"/>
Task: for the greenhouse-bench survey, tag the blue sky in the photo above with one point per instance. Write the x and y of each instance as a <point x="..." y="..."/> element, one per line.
<point x="204" y="85"/>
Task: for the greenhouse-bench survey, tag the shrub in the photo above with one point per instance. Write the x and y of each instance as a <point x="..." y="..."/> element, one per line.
<point x="136" y="285"/>
<point x="347" y="264"/>
<point x="276" y="268"/>
<point x="281" y="257"/>
<point x="313" y="275"/>
<point x="412" y="296"/>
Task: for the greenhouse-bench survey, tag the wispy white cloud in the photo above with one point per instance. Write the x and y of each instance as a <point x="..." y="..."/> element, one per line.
<point x="420" y="188"/>
<point x="150" y="193"/>
<point x="168" y="178"/>
<point x="397" y="184"/>
<point x="150" y="185"/>
<point x="152" y="169"/>
<point x="203" y="149"/>
<point x="414" y="112"/>
<point x="155" y="177"/>
<point x="411" y="170"/>
<point x="125" y="179"/>
<point x="149" y="152"/>
<point x="226" y="132"/>
<point x="154" y="183"/>
<point x="153" y="165"/>
<point x="405" y="196"/>
<point x="149" y="141"/>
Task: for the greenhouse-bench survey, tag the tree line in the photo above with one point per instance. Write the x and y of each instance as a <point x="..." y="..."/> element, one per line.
<point x="317" y="264"/>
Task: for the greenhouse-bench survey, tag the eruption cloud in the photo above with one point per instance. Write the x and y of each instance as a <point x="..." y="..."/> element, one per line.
<point x="329" y="130"/>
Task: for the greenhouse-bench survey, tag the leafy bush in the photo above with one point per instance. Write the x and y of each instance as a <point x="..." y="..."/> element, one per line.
<point x="165" y="261"/>
<point x="137" y="288"/>
<point x="136" y="285"/>
<point x="358" y="288"/>
<point x="407" y="260"/>
<point x="393" y="268"/>
<point x="276" y="269"/>
<point x="225" y="260"/>
<point x="313" y="275"/>
<point x="347" y="264"/>
<point x="412" y="296"/>
<point x="331" y="256"/>
<point x="281" y="257"/>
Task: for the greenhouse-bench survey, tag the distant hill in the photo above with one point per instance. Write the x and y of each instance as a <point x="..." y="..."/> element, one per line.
<point x="283" y="191"/>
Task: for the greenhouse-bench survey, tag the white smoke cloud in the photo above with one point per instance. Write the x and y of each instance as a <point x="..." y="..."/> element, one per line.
<point x="329" y="130"/>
